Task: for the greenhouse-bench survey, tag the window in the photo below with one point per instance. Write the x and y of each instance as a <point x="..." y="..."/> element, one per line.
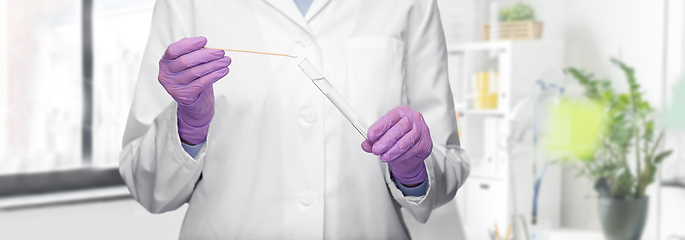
<point x="67" y="73"/>
<point x="42" y="86"/>
<point x="118" y="43"/>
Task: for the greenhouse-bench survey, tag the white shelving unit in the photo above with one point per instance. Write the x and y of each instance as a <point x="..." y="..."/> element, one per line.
<point x="500" y="186"/>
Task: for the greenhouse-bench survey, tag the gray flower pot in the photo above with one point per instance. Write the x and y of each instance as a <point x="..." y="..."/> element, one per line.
<point x="623" y="219"/>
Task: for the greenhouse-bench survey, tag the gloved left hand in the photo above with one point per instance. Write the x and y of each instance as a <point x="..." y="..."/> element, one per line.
<point x="187" y="71"/>
<point x="402" y="139"/>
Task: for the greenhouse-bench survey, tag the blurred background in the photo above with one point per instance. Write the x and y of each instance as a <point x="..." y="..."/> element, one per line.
<point x="68" y="69"/>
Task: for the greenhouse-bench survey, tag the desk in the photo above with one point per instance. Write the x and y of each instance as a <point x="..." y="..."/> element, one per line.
<point x="107" y="220"/>
<point x="571" y="234"/>
<point x="556" y="234"/>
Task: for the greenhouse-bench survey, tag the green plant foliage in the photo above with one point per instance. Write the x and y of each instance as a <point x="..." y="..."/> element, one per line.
<point x="629" y="133"/>
<point x="519" y="12"/>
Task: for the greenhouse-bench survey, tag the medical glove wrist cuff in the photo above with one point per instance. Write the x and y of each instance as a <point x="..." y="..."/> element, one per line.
<point x="193" y="131"/>
<point x="195" y="116"/>
<point x="415" y="176"/>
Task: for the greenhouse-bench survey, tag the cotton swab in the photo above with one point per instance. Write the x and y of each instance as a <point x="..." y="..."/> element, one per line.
<point x="246" y="51"/>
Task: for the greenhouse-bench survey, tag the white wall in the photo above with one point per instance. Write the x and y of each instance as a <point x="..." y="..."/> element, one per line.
<point x="631" y="30"/>
<point x="594" y="31"/>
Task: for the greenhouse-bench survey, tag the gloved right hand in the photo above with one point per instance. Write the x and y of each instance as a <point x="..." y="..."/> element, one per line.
<point x="187" y="72"/>
<point x="402" y="139"/>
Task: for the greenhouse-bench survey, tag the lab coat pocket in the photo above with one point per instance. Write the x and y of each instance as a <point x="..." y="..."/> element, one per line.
<point x="376" y="75"/>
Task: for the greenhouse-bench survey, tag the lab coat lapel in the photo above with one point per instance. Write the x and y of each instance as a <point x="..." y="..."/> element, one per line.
<point x="289" y="9"/>
<point x="315" y="8"/>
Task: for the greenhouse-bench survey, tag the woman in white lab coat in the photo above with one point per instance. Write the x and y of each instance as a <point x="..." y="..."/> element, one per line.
<point x="279" y="160"/>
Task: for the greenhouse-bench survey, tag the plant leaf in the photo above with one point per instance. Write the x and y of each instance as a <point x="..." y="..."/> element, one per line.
<point x="661" y="156"/>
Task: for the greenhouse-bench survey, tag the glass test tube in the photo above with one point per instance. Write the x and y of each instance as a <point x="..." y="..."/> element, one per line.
<point x="335" y="98"/>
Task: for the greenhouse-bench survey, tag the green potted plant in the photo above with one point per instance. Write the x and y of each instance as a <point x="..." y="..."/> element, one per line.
<point x="518" y="12"/>
<point x="626" y="160"/>
<point x="516" y="22"/>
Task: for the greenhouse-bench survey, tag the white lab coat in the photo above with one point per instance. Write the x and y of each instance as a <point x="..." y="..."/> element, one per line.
<point x="280" y="162"/>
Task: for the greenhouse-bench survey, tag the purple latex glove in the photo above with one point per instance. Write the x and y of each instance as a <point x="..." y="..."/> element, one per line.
<point x="402" y="139"/>
<point x="187" y="72"/>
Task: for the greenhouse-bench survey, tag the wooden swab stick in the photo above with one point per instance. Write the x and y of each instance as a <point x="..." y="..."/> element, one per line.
<point x="246" y="51"/>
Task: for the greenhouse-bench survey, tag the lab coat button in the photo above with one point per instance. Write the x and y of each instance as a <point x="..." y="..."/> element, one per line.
<point x="307" y="198"/>
<point x="306" y="41"/>
<point x="310" y="115"/>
